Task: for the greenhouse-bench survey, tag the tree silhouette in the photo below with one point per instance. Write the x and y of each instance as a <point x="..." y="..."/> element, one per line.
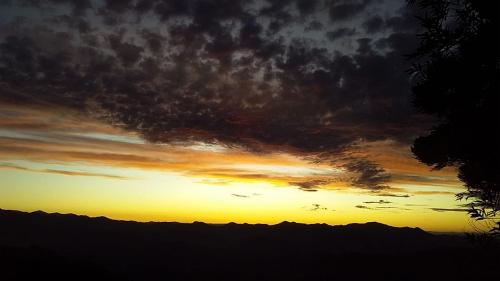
<point x="456" y="76"/>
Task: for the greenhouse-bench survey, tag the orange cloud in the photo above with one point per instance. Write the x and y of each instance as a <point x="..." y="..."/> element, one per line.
<point x="61" y="136"/>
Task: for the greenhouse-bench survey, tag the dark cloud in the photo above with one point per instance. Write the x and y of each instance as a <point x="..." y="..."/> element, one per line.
<point x="306" y="7"/>
<point x="339" y="33"/>
<point x="183" y="71"/>
<point x="128" y="53"/>
<point x="275" y="6"/>
<point x="373" y="24"/>
<point x="378" y="202"/>
<point x="402" y="43"/>
<point x="362" y="207"/>
<point x="78" y="7"/>
<point x="118" y="6"/>
<point x="406" y="20"/>
<point x="370" y="174"/>
<point x="364" y="46"/>
<point x="311" y="185"/>
<point x="317" y="207"/>
<point x="314" y="25"/>
<point x="345" y="10"/>
<point x="77" y="23"/>
<point x="308" y="189"/>
<point x="154" y="40"/>
<point x="165" y="9"/>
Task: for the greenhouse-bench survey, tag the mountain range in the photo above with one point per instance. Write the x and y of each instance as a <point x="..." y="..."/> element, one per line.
<point x="42" y="246"/>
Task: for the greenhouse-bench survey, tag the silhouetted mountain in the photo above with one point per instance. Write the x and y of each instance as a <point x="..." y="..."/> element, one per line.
<point x="70" y="247"/>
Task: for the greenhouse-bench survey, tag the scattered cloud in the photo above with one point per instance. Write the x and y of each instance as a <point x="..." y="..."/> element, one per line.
<point x="392" y="207"/>
<point x="240" y="195"/>
<point x="245" y="195"/>
<point x="61" y="172"/>
<point x="362" y="207"/>
<point x="317" y="207"/>
<point x="416" y="205"/>
<point x="378" y="202"/>
<point x="393" y="195"/>
<point x="381" y="207"/>
<point x="434" y="192"/>
<point x="449" y="209"/>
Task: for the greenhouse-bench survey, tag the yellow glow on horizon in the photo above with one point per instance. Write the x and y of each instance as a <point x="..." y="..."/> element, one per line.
<point x="86" y="167"/>
<point x="157" y="196"/>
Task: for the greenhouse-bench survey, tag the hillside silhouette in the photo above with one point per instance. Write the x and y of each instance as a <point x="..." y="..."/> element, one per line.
<point x="41" y="246"/>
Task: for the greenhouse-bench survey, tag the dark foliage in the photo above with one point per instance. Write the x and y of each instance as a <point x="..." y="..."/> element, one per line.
<point x="457" y="75"/>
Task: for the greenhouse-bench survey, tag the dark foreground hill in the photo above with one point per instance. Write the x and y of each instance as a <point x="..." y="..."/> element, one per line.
<point x="41" y="246"/>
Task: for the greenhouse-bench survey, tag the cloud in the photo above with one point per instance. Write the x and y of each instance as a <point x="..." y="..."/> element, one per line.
<point x="378" y="202"/>
<point x="62" y="136"/>
<point x="393" y="195"/>
<point x="415" y="205"/>
<point x="340" y="32"/>
<point x="392" y="208"/>
<point x="449" y="180"/>
<point x="371" y="175"/>
<point x="373" y="24"/>
<point x="246" y="195"/>
<point x="344" y="10"/>
<point x="228" y="109"/>
<point x="240" y="195"/>
<point x="26" y="133"/>
<point x="317" y="207"/>
<point x="242" y="77"/>
<point x="306" y="7"/>
<point x="61" y="172"/>
<point x="311" y="185"/>
<point x="449" y="209"/>
<point x="433" y="192"/>
<point x="314" y="25"/>
<point x="388" y="208"/>
<point x="362" y="207"/>
<point x="129" y="54"/>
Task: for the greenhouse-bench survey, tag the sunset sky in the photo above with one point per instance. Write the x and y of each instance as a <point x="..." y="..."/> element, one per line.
<point x="216" y="111"/>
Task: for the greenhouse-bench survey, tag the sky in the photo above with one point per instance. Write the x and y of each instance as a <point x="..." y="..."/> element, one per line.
<point x="217" y="111"/>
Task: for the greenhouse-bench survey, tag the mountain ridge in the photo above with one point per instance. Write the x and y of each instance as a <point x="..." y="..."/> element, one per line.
<point x="283" y="223"/>
<point x="75" y="247"/>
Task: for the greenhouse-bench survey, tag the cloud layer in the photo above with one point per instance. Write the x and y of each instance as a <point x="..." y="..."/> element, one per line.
<point x="63" y="136"/>
<point x="309" y="78"/>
